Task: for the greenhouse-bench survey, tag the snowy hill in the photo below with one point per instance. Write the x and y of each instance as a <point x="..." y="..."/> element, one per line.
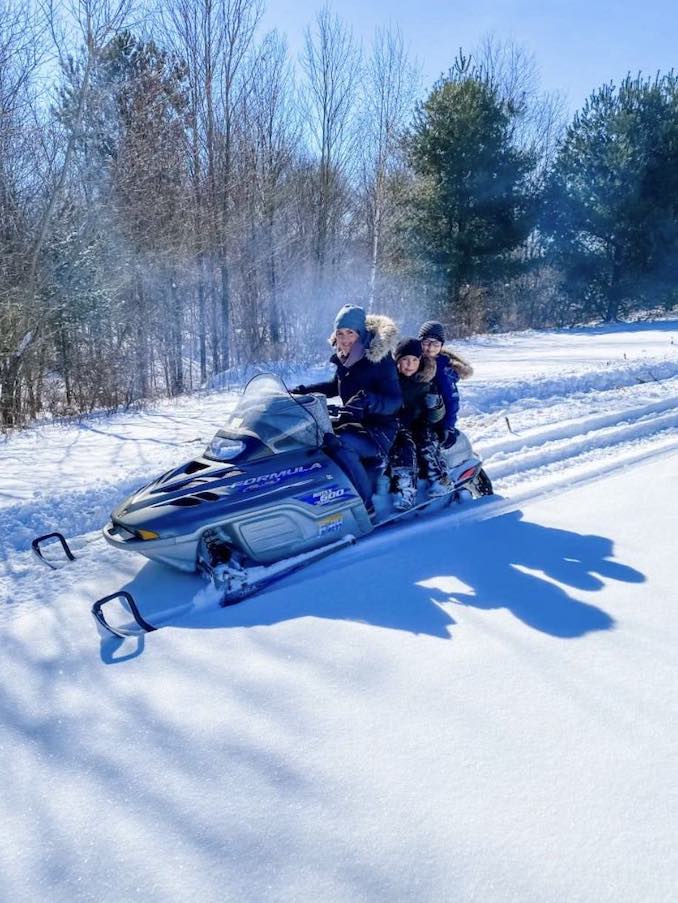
<point x="479" y="706"/>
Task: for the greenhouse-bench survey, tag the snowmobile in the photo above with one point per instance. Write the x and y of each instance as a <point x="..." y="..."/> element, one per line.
<point x="263" y="500"/>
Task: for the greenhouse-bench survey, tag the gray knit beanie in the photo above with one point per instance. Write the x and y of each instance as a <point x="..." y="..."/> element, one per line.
<point x="352" y="317"/>
<point x="432" y="329"/>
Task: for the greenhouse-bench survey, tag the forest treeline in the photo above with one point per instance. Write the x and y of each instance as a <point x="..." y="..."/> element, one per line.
<point x="178" y="196"/>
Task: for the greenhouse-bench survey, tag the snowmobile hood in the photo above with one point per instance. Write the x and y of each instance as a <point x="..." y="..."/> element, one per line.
<point x="202" y="492"/>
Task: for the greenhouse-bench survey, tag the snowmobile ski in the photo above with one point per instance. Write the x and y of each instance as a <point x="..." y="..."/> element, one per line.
<point x="237" y="590"/>
<point x="234" y="584"/>
<point x="36" y="545"/>
<point x="121" y="630"/>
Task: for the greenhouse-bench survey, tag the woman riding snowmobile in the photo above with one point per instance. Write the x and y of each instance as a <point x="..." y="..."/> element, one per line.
<point x="366" y="380"/>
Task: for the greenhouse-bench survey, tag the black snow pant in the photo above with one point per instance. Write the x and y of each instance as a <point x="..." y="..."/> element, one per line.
<point x="418" y="450"/>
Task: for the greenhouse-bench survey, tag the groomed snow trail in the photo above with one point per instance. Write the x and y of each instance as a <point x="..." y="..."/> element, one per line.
<point x="479" y="706"/>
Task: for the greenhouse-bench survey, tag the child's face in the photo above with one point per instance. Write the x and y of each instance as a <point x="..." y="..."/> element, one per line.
<point x="408" y="365"/>
<point x="431" y="347"/>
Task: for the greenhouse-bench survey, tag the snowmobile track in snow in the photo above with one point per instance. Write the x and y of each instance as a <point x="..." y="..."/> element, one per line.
<point x="568" y="444"/>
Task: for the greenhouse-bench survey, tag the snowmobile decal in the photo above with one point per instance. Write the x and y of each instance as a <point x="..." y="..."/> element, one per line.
<point x="326" y="496"/>
<point x="277" y="476"/>
<point x="331" y="524"/>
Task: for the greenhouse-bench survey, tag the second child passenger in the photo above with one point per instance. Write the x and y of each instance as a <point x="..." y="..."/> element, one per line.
<point x="416" y="448"/>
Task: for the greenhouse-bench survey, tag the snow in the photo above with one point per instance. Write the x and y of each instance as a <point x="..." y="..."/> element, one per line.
<point x="479" y="706"/>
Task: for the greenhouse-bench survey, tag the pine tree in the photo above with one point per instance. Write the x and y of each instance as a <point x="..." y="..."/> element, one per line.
<point x="612" y="210"/>
<point x="472" y="205"/>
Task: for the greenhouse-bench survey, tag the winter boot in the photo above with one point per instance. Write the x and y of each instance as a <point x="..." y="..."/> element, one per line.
<point x="404" y="490"/>
<point x="439" y="486"/>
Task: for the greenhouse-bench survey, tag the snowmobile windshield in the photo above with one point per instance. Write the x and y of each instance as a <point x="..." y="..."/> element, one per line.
<point x="268" y="413"/>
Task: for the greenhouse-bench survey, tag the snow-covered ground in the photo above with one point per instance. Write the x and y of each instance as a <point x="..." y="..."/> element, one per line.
<point x="478" y="706"/>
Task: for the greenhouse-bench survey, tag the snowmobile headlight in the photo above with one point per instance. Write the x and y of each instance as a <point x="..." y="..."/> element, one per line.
<point x="147" y="534"/>
<point x="222" y="449"/>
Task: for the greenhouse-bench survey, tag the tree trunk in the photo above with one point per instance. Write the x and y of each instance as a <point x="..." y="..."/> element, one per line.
<point x="176" y="339"/>
<point x="202" y="321"/>
<point x="141" y="350"/>
<point x="225" y="316"/>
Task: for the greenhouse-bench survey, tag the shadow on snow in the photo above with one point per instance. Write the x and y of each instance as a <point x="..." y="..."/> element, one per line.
<point x="501" y="562"/>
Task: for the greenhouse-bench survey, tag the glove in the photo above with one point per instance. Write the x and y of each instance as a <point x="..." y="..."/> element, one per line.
<point x="448" y="438"/>
<point x="299" y="390"/>
<point x="356" y="407"/>
<point x="433" y="401"/>
<point x="331" y="442"/>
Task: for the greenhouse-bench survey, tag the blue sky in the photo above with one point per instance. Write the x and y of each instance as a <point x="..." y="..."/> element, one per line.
<point x="578" y="45"/>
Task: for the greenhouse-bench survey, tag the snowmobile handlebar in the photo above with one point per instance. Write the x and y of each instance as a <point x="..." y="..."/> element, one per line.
<point x="340" y="414"/>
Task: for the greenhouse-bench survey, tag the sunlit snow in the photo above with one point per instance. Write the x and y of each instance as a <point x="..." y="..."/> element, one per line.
<point x="478" y="706"/>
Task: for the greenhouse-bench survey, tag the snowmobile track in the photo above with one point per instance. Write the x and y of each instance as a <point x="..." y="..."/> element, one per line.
<point x="564" y="447"/>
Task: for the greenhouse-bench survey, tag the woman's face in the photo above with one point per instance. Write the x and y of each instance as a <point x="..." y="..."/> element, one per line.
<point x="346" y="339"/>
<point x="431" y="347"/>
<point x="408" y="365"/>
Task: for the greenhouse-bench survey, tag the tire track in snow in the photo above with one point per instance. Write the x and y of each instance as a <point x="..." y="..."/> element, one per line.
<point x="618" y="375"/>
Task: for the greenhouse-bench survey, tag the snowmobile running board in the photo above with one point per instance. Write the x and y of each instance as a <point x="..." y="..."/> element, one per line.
<point x="269" y="576"/>
<point x="35" y="545"/>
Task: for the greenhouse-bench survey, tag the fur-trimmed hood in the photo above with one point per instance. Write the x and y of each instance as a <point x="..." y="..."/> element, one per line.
<point x="382" y="337"/>
<point x="427" y="370"/>
<point x="463" y="368"/>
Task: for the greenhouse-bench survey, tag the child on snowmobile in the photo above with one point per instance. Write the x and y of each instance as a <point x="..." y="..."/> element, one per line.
<point x="416" y="448"/>
<point x="366" y="380"/>
<point x="450" y="368"/>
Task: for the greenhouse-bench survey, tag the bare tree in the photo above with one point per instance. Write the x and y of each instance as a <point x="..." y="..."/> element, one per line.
<point x="239" y="20"/>
<point x="539" y="117"/>
<point x="94" y="22"/>
<point x="390" y="87"/>
<point x="21" y="51"/>
<point x="270" y="135"/>
<point x="331" y="63"/>
<point x="91" y="23"/>
<point x="190" y="29"/>
<point x="213" y="37"/>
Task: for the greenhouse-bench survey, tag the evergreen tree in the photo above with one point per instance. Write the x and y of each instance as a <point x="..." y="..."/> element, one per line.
<point x="612" y="211"/>
<point x="472" y="205"/>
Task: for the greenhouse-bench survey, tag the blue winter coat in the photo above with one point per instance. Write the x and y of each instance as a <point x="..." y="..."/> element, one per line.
<point x="376" y="376"/>
<point x="450" y="368"/>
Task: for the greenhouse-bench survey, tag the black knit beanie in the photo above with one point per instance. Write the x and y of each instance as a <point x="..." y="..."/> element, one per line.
<point x="432" y="329"/>
<point x="408" y="346"/>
